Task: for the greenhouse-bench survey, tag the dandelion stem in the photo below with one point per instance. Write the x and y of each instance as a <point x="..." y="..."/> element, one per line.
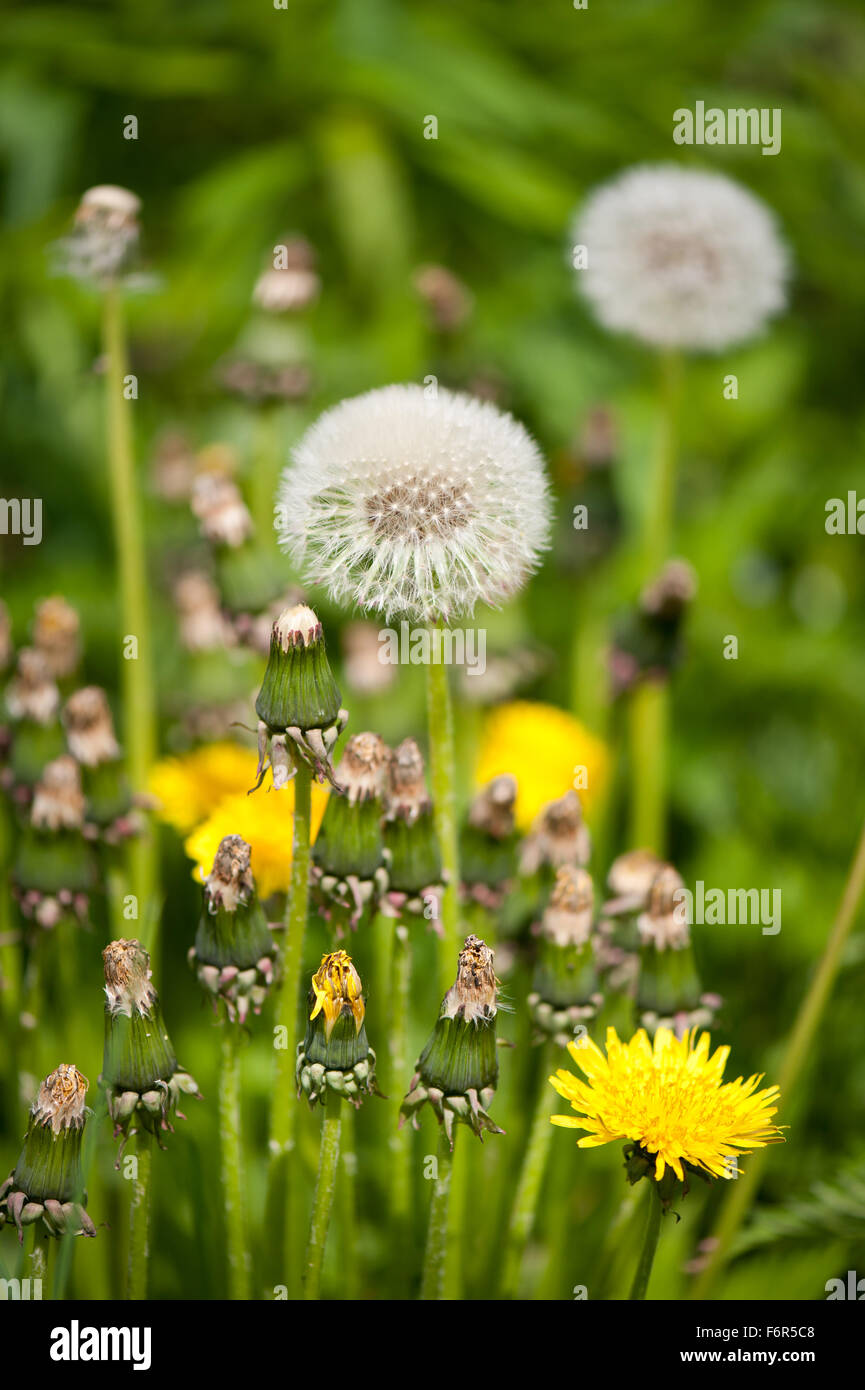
<point x="139" y="727"/>
<point x="139" y="1217"/>
<point x="233" y="1186"/>
<point x="39" y="1263"/>
<point x="649" y="705"/>
<point x="435" y="1259"/>
<point x="399" y="1186"/>
<point x="284" y="1111"/>
<point x="443" y="778"/>
<point x="810" y="1012"/>
<point x="328" y="1164"/>
<point x="650" y="1245"/>
<point x="525" y="1204"/>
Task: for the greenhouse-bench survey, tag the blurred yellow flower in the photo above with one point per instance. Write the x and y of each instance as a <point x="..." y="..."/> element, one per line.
<point x="265" y="820"/>
<point x="547" y="750"/>
<point x="188" y="787"/>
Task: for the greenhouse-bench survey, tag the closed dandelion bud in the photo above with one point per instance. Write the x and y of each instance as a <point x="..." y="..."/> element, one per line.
<point x="414" y="858"/>
<point x="140" y="1073"/>
<point x="57" y="634"/>
<point x="669" y="993"/>
<point x="488" y="844"/>
<point x="299" y="697"/>
<point x="47" y="1183"/>
<point x="234" y="955"/>
<point x="335" y="1053"/>
<point x="33" y="705"/>
<point x="103" y="244"/>
<point x="54" y="868"/>
<point x="91" y="739"/>
<point x="558" y="837"/>
<point x="565" y="988"/>
<point x="647" y="640"/>
<point x="629" y="881"/>
<point x="458" y="1069"/>
<point x="348" y="872"/>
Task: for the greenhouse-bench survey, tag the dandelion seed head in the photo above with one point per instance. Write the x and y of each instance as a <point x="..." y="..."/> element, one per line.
<point x="681" y="258"/>
<point x="415" y="506"/>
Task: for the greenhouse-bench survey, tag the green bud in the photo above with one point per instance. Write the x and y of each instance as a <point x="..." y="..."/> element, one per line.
<point x="47" y="1181"/>
<point x="234" y="953"/>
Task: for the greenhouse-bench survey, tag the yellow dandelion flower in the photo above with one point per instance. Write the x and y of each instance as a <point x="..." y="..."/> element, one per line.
<point x="668" y="1096"/>
<point x="336" y="986"/>
<point x="266" y="822"/>
<point x="547" y="750"/>
<point x="189" y="786"/>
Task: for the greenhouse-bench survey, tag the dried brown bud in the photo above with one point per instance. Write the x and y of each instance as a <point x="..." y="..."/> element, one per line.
<point x="89" y="727"/>
<point x="664" y="923"/>
<point x="127" y="978"/>
<point x="473" y="995"/>
<point x="230" y="881"/>
<point x="568" y="917"/>
<point x="363" y="770"/>
<point x="493" y="808"/>
<point x="291" y="282"/>
<point x="58" y="801"/>
<point x="672" y="591"/>
<point x="56" y="633"/>
<point x="114" y="208"/>
<point x="60" y="1102"/>
<point x="447" y="298"/>
<point x="406" y="793"/>
<point x="32" y="693"/>
<point x="173" y="467"/>
<point x="203" y="627"/>
<point x="629" y="880"/>
<point x="558" y="836"/>
<point x="223" y="514"/>
<point x="599" y="439"/>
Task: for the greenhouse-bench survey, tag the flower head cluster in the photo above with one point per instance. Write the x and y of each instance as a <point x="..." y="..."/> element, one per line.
<point x="681" y="258"/>
<point x="406" y="503"/>
<point x="669" y="1097"/>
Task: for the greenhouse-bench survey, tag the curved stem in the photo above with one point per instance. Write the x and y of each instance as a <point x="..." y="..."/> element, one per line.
<point x="139" y="705"/>
<point x="529" y="1185"/>
<point x="443" y="779"/>
<point x="650" y="1245"/>
<point x="139" y="1217"/>
<point x="284" y="1110"/>
<point x="804" y="1028"/>
<point x="435" y="1258"/>
<point x="324" y="1189"/>
<point x="233" y="1186"/>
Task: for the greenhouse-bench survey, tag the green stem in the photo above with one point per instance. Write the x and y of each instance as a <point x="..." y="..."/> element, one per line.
<point x="347" y="1217"/>
<point x="139" y="727"/>
<point x="284" y="1109"/>
<point x="650" y="1245"/>
<point x="39" y="1263"/>
<point x="528" y="1190"/>
<point x="443" y="779"/>
<point x="233" y="1185"/>
<point x="324" y="1189"/>
<point x="399" y="1142"/>
<point x="649" y="704"/>
<point x="139" y="1217"/>
<point x="435" y="1258"/>
<point x="744" y="1189"/>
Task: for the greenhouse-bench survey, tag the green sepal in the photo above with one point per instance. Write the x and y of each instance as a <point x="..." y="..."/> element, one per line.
<point x="34" y="745"/>
<point x="49" y="861"/>
<point x="350" y="840"/>
<point x="240" y="938"/>
<point x="460" y="1056"/>
<point x="49" y="1167"/>
<point x="485" y="859"/>
<point x="415" y="857"/>
<point x="668" y="981"/>
<point x="138" y="1051"/>
<point x="106" y="791"/>
<point x="343" y="1049"/>
<point x="565" y="975"/>
<point x="298" y="690"/>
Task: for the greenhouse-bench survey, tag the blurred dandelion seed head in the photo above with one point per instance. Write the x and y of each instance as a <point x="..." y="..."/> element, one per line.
<point x="669" y="1096"/>
<point x="681" y="258"/>
<point x="415" y="505"/>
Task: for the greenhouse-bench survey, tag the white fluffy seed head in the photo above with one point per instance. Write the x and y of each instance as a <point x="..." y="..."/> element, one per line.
<point x="415" y="506"/>
<point x="681" y="258"/>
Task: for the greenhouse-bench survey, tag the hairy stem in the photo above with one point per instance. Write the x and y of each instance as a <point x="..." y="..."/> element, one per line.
<point x="443" y="779"/>
<point x="233" y="1183"/>
<point x="435" y="1258"/>
<point x="139" y="1219"/>
<point x="325" y="1186"/>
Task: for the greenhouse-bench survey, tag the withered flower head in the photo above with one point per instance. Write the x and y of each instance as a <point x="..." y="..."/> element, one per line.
<point x="203" y="627"/>
<point x="89" y="727"/>
<point x="672" y="591"/>
<point x="32" y="693"/>
<point x="57" y="634"/>
<point x="234" y="955"/>
<point x="336" y="989"/>
<point x="363" y="770"/>
<point x="414" y="854"/>
<point x="128" y="987"/>
<point x="492" y="810"/>
<point x="229" y="882"/>
<point x="222" y="512"/>
<point x="629" y="880"/>
<point x="407" y="796"/>
<point x="58" y="801"/>
<point x="291" y="282"/>
<point x="664" y="923"/>
<point x="446" y="297"/>
<point x="567" y="920"/>
<point x="104" y="238"/>
<point x="113" y="207"/>
<point x="473" y="995"/>
<point x="558" y="836"/>
<point x="348" y="874"/>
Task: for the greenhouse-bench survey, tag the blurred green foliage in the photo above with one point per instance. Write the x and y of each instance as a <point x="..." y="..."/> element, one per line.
<point x="256" y="122"/>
